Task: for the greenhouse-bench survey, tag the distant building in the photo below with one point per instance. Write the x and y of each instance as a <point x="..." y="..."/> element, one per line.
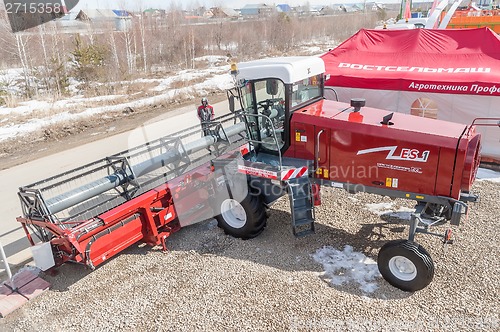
<point x="219" y="12"/>
<point x="315" y="10"/>
<point x="155" y="12"/>
<point x="121" y="19"/>
<point x="283" y="8"/>
<point x="96" y="15"/>
<point x="351" y="8"/>
<point x="256" y="10"/>
<point x="374" y="6"/>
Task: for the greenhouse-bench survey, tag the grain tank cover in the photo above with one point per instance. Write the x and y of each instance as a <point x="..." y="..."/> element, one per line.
<point x="420" y="128"/>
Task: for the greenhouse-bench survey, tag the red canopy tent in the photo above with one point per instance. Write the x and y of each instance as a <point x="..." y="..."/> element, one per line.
<point x="456" y="73"/>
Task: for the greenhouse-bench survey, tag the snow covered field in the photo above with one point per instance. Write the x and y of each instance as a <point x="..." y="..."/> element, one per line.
<point x="30" y="116"/>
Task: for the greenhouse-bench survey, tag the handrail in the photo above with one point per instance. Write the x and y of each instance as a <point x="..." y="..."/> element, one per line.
<point x="316" y="152"/>
<point x="496" y="124"/>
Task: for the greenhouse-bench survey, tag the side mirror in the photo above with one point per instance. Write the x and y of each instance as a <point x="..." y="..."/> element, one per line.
<point x="231" y="104"/>
<point x="272" y="87"/>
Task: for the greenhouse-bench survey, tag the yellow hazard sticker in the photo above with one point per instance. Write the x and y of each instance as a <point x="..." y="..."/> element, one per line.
<point x="319" y="171"/>
<point x="297" y="136"/>
<point x="388" y="182"/>
<point x="419" y="197"/>
<point x="325" y="174"/>
<point x="407" y="195"/>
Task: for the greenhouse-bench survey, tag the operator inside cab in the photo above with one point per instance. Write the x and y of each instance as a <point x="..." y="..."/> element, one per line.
<point x="271" y="90"/>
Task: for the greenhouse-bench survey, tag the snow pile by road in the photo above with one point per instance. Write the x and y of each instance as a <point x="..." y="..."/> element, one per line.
<point x="379" y="209"/>
<point x="348" y="266"/>
<point x="46" y="113"/>
<point x="484" y="174"/>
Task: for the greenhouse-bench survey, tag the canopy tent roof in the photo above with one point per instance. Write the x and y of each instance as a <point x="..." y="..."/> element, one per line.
<point x="465" y="61"/>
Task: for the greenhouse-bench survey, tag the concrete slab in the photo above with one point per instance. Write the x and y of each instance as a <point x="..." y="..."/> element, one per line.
<point x="34" y="288"/>
<point x="10" y="301"/>
<point x="27" y="287"/>
<point x="20" y="279"/>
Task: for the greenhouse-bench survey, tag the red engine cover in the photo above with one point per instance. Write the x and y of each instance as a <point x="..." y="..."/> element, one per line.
<point x="411" y="153"/>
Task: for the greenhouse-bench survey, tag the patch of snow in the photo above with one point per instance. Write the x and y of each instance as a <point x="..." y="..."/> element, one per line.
<point x="312" y="50"/>
<point x="11" y="74"/>
<point x="15" y="130"/>
<point x="80" y="99"/>
<point x="221" y="74"/>
<point x="213" y="59"/>
<point x="379" y="208"/>
<point x="27" y="107"/>
<point x="342" y="267"/>
<point x="488" y="175"/>
<point x="10" y="78"/>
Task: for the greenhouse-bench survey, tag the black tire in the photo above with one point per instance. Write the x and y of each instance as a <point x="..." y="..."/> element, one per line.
<point x="245" y="227"/>
<point x="395" y="256"/>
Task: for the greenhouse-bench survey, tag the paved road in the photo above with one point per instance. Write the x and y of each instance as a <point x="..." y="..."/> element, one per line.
<point x="12" y="236"/>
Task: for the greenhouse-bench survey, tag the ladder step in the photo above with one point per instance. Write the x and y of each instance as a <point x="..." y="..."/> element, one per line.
<point x="303" y="230"/>
<point x="301" y="205"/>
<point x="303" y="221"/>
<point x="305" y="208"/>
<point x="298" y="215"/>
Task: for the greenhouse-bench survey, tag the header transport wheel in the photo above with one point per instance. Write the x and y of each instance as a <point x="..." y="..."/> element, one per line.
<point x="405" y="265"/>
<point x="245" y="219"/>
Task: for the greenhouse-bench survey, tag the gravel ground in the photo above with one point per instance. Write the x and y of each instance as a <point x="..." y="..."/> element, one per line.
<point x="209" y="281"/>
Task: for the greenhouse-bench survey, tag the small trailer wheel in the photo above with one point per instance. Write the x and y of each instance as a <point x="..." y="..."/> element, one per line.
<point x="245" y="219"/>
<point x="405" y="265"/>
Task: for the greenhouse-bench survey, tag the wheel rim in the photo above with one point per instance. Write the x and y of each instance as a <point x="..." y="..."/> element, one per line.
<point x="402" y="268"/>
<point x="233" y="213"/>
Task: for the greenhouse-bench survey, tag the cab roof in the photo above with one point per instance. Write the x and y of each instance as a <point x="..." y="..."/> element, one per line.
<point x="287" y="69"/>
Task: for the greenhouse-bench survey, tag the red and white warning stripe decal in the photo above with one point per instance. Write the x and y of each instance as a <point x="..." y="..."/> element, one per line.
<point x="294" y="173"/>
<point x="257" y="172"/>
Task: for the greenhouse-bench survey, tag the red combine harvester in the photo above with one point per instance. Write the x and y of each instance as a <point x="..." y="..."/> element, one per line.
<point x="285" y="139"/>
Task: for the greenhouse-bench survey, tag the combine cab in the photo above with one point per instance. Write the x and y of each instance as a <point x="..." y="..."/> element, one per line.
<point x="284" y="138"/>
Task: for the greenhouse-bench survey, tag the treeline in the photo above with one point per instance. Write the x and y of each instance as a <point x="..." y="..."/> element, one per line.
<point x="49" y="58"/>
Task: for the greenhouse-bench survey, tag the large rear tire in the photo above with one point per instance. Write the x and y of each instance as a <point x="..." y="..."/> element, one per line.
<point x="245" y="219"/>
<point x="406" y="265"/>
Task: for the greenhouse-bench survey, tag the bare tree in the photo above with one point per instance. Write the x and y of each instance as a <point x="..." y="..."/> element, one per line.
<point x="142" y="28"/>
<point x="21" y="44"/>
<point x="114" y="51"/>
